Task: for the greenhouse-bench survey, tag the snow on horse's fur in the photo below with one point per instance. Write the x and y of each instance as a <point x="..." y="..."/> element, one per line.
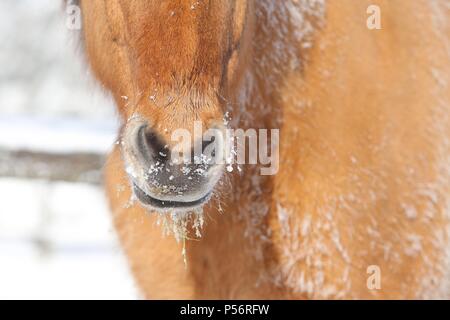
<point x="364" y="153"/>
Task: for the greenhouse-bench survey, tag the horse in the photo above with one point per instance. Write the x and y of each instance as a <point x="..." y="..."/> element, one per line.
<point x="359" y="207"/>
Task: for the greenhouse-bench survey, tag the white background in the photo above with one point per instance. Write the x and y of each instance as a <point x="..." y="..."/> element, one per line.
<point x="56" y="239"/>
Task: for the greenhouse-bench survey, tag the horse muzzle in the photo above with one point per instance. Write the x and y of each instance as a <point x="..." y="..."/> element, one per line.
<point x="163" y="178"/>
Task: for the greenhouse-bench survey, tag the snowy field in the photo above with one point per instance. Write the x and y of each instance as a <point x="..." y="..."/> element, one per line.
<point x="56" y="242"/>
<point x="56" y="238"/>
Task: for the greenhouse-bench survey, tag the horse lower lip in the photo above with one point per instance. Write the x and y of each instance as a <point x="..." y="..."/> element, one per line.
<point x="167" y="204"/>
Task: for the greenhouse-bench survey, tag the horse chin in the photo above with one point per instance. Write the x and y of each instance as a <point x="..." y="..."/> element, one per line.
<point x="157" y="198"/>
<point x="162" y="205"/>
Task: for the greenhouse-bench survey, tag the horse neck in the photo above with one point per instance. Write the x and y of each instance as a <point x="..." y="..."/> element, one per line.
<point x="283" y="34"/>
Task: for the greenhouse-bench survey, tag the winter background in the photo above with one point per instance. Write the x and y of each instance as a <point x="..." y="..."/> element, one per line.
<point x="56" y="125"/>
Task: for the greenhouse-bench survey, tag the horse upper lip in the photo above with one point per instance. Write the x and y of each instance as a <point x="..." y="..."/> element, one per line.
<point x="156" y="203"/>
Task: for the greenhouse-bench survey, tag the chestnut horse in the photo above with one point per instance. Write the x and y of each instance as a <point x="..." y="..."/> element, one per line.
<point x="360" y="205"/>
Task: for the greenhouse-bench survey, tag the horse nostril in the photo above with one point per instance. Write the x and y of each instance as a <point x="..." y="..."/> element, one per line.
<point x="206" y="143"/>
<point x="208" y="147"/>
<point x="151" y="145"/>
<point x="164" y="177"/>
<point x="151" y="152"/>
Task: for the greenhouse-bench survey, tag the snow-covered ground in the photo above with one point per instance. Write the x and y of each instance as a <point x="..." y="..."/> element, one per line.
<point x="57" y="242"/>
<point x="56" y="239"/>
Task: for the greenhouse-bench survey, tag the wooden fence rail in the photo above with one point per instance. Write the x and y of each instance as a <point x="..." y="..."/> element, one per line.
<point x="71" y="167"/>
